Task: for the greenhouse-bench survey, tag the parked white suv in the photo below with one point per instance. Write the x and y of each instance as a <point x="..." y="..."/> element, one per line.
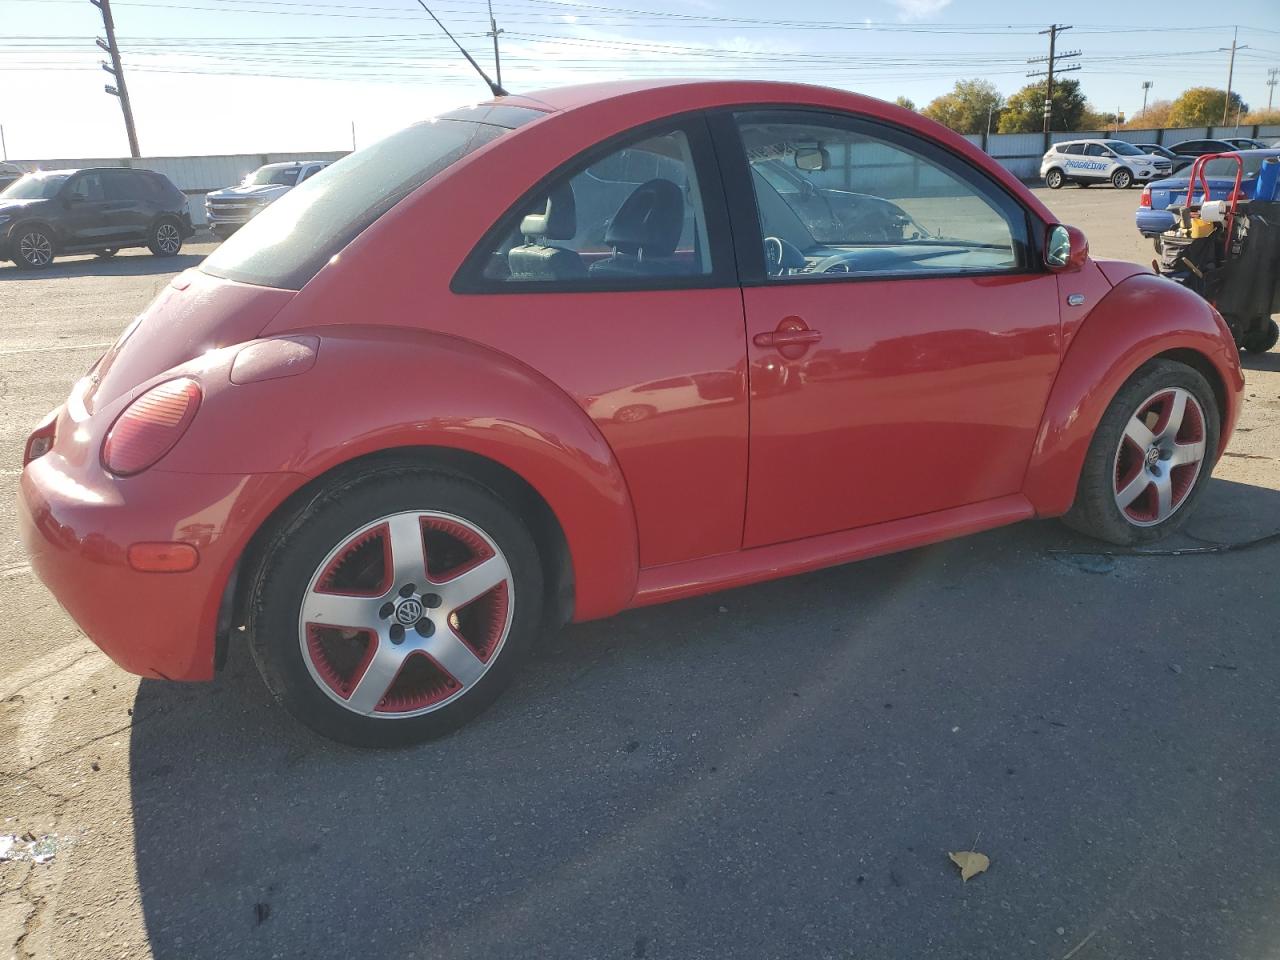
<point x="230" y="209"/>
<point x="1097" y="161"/>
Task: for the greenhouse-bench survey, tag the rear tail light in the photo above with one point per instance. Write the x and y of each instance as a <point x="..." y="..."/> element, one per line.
<point x="1146" y="197"/>
<point x="150" y="426"/>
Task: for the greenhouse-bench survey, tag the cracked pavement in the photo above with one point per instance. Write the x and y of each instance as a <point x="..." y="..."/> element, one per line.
<point x="776" y="771"/>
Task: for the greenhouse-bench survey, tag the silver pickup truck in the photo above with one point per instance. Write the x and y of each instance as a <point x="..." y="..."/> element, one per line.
<point x="233" y="207"/>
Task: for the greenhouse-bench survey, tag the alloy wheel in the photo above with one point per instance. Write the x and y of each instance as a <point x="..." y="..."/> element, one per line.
<point x="1160" y="456"/>
<point x="167" y="238"/>
<point x="406" y="614"/>
<point x="35" y="249"/>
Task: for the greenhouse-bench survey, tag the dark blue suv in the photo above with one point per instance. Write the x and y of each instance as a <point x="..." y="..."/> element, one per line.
<point x="97" y="210"/>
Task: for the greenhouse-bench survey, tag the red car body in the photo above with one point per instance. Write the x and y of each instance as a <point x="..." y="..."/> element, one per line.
<point x="970" y="406"/>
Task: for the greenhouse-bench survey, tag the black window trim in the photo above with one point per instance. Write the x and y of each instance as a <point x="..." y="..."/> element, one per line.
<point x="740" y="193"/>
<point x="470" y="278"/>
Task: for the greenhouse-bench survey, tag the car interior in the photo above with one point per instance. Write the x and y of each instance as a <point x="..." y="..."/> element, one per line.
<point x="634" y="213"/>
<point x="823" y="227"/>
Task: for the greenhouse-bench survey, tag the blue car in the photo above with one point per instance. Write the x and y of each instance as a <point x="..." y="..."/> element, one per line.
<point x="1153" y="218"/>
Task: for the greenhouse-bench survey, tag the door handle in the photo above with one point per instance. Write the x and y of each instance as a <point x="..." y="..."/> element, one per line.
<point x="786" y="337"/>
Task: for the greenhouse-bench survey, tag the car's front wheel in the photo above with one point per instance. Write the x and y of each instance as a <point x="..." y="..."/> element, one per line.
<point x="33" y="248"/>
<point x="1122" y="179"/>
<point x="166" y="238"/>
<point x="395" y="606"/>
<point x="1150" y="458"/>
<point x="1054" y="179"/>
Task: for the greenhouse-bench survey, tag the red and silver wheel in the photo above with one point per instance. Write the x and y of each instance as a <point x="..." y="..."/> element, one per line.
<point x="394" y="605"/>
<point x="406" y="614"/>
<point x="1159" y="457"/>
<point x="1150" y="457"/>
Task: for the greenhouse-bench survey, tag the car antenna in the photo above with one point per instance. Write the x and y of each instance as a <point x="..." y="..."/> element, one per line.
<point x="497" y="89"/>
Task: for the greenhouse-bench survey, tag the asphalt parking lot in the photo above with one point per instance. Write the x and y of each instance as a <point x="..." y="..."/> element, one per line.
<point x="773" y="772"/>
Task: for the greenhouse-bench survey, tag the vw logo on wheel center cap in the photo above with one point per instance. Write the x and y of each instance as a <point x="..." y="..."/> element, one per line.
<point x="409" y="611"/>
<point x="1153" y="457"/>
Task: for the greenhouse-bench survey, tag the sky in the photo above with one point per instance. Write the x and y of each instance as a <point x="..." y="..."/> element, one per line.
<point x="253" y="76"/>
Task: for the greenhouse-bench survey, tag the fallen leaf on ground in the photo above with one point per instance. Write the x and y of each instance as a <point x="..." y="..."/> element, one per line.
<point x="970" y="862"/>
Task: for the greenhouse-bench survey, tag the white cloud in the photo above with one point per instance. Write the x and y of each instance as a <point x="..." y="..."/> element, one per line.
<point x="919" y="9"/>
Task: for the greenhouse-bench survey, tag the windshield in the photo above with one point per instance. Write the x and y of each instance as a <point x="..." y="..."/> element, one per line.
<point x="1124" y="149"/>
<point x="284" y="176"/>
<point x="35" y="186"/>
<point x="288" y="243"/>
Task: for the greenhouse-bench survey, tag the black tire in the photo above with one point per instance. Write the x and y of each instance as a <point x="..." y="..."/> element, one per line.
<point x="33" y="246"/>
<point x="1122" y="179"/>
<point x="1095" y="511"/>
<point x="106" y="254"/>
<point x="1261" y="338"/>
<point x="165" y="238"/>
<point x="301" y="543"/>
<point x="1054" y="179"/>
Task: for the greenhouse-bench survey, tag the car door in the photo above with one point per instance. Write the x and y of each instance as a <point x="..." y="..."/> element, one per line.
<point x="615" y="279"/>
<point x="130" y="208"/>
<point x="901" y="346"/>
<point x="85" y="220"/>
<point x="1098" y="162"/>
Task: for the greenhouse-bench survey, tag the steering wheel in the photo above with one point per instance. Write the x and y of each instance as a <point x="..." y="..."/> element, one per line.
<point x="781" y="256"/>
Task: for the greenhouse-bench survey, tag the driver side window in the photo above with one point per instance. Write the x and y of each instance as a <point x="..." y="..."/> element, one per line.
<point x="846" y="197"/>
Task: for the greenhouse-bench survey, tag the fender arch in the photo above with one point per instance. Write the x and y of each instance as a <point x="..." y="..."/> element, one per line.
<point x="37" y="222"/>
<point x="373" y="390"/>
<point x="1143" y="317"/>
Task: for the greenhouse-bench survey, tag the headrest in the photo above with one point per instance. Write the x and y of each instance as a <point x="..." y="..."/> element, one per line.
<point x="558" y="220"/>
<point x="650" y="221"/>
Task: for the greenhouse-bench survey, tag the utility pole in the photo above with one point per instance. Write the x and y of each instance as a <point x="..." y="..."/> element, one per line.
<point x="1052" y="59"/>
<point x="493" y="32"/>
<point x="1146" y="88"/>
<point x="118" y="89"/>
<point x="1271" y="82"/>
<point x="1231" y="69"/>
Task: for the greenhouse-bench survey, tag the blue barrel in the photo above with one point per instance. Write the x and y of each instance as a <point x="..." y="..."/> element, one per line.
<point x="1268" y="177"/>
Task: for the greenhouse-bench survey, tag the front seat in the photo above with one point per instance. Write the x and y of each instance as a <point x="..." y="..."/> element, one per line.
<point x="535" y="259"/>
<point x="644" y="232"/>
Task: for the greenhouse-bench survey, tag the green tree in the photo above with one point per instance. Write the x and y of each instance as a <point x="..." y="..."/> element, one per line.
<point x="905" y="102"/>
<point x="1095" y="119"/>
<point x="1202" y="107"/>
<point x="968" y="107"/>
<point x="1024" y="111"/>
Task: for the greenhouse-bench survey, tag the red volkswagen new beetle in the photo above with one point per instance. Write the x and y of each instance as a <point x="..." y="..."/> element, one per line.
<point x="555" y="356"/>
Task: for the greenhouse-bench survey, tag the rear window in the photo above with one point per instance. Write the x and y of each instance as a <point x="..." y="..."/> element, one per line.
<point x="288" y="243"/>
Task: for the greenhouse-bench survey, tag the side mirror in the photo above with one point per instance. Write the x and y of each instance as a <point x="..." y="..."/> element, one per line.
<point x="812" y="159"/>
<point x="1066" y="249"/>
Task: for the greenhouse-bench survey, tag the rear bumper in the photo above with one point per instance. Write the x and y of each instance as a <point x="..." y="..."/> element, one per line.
<point x="77" y="524"/>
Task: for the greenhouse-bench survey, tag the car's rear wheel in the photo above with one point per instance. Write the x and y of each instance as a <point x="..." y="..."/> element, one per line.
<point x="166" y="238"/>
<point x="1122" y="179"/>
<point x="1261" y="338"/>
<point x="33" y="248"/>
<point x="1150" y="458"/>
<point x="395" y="606"/>
<point x="106" y="253"/>
<point x="1054" y="179"/>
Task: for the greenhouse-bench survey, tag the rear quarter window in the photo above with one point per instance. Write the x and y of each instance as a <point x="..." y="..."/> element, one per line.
<point x="288" y="243"/>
